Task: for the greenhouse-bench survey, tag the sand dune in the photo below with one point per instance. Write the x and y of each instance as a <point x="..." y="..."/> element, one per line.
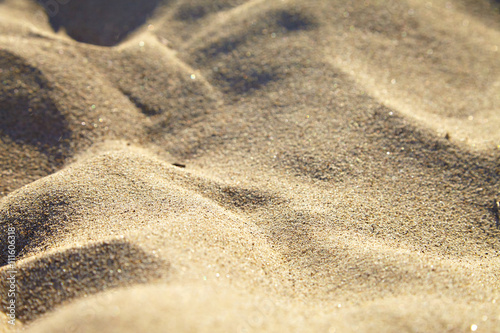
<point x="240" y="166"/>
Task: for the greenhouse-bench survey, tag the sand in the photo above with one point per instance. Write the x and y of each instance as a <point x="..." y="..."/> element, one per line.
<point x="250" y="166"/>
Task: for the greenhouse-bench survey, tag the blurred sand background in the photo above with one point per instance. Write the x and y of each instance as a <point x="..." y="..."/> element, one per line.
<point x="337" y="165"/>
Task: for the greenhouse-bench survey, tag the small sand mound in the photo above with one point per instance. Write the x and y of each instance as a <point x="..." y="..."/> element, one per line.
<point x="237" y="60"/>
<point x="37" y="217"/>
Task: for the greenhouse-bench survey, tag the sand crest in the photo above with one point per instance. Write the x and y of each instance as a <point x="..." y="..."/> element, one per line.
<point x="249" y="166"/>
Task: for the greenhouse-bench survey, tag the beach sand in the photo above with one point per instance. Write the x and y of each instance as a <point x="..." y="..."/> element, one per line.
<point x="250" y="166"/>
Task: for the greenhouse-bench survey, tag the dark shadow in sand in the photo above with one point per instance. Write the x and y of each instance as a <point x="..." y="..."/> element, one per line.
<point x="49" y="281"/>
<point x="104" y="23"/>
<point x="28" y="115"/>
<point x="192" y="10"/>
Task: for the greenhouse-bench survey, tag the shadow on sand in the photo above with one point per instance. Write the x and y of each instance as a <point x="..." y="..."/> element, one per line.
<point x="104" y="23"/>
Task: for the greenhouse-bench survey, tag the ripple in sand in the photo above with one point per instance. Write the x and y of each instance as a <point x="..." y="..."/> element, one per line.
<point x="46" y="282"/>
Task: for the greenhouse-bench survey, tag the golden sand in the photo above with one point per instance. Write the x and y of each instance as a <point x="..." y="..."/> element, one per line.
<point x="250" y="166"/>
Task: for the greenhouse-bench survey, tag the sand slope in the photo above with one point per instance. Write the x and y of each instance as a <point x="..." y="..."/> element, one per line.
<point x="230" y="165"/>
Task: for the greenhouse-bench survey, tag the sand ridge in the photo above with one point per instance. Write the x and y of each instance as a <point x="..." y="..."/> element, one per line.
<point x="230" y="165"/>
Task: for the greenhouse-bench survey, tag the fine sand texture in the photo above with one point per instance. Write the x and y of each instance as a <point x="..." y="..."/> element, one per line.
<point x="250" y="165"/>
